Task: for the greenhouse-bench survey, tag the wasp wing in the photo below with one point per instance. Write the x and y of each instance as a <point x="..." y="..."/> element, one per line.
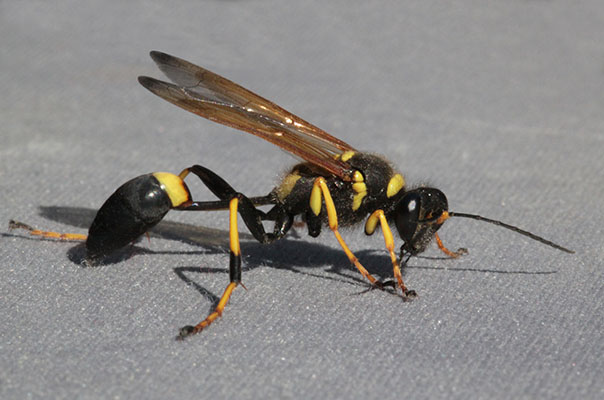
<point x="218" y="99"/>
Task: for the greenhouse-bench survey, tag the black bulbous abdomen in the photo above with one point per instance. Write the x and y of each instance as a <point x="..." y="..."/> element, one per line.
<point x="133" y="209"/>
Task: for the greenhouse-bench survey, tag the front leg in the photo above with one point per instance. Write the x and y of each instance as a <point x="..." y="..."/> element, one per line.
<point x="453" y="254"/>
<point x="370" y="225"/>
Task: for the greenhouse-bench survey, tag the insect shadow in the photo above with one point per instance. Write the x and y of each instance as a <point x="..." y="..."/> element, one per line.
<point x="299" y="256"/>
<point x="288" y="253"/>
<point x="284" y="254"/>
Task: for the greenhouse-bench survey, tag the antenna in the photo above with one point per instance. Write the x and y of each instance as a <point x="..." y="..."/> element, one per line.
<point x="512" y="228"/>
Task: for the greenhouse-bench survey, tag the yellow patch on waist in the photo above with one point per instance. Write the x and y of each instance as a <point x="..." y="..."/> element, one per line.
<point x="174" y="186"/>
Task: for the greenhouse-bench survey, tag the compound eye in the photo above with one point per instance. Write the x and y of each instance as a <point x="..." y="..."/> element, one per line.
<point x="407" y="215"/>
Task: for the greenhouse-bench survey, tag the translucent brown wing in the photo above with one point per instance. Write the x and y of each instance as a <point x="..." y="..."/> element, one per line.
<point x="220" y="100"/>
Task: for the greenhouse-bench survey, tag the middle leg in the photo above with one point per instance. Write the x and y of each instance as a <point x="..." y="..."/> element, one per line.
<point x="320" y="190"/>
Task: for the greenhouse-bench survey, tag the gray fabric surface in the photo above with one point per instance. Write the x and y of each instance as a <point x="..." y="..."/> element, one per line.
<point x="500" y="105"/>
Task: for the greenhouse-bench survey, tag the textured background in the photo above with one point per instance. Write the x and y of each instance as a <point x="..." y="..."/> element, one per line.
<point x="500" y="105"/>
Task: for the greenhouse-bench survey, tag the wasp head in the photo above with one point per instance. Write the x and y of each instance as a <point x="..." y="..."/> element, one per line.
<point x="418" y="215"/>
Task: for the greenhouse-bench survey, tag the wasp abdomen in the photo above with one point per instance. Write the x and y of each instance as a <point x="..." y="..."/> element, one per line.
<point x="134" y="208"/>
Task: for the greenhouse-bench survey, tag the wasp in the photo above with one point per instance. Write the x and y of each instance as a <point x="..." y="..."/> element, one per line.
<point x="334" y="186"/>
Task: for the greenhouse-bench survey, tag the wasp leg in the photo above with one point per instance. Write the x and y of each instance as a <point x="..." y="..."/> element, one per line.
<point x="389" y="241"/>
<point x="247" y="208"/>
<point x="46" y="234"/>
<point x="234" y="274"/>
<point x="313" y="223"/>
<point x="453" y="254"/>
<point x="216" y="184"/>
<point x="319" y="190"/>
<point x="238" y="204"/>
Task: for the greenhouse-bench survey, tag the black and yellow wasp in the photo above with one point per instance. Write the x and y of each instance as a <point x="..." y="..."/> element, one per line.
<point x="335" y="186"/>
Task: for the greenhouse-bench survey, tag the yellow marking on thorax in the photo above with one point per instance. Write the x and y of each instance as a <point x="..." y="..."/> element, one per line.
<point x="397" y="182"/>
<point x="347" y="155"/>
<point x="359" y="188"/>
<point x="174" y="186"/>
<point x="287" y="185"/>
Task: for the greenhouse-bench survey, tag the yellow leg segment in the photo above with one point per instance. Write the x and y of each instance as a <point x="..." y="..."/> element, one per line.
<point x="191" y="330"/>
<point x="183" y="174"/>
<point x="234" y="272"/>
<point x="51" y="235"/>
<point x="389" y="241"/>
<point x="332" y="217"/>
<point x="233" y="228"/>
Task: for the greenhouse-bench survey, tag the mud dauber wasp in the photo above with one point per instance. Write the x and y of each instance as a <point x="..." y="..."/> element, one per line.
<point x="336" y="185"/>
